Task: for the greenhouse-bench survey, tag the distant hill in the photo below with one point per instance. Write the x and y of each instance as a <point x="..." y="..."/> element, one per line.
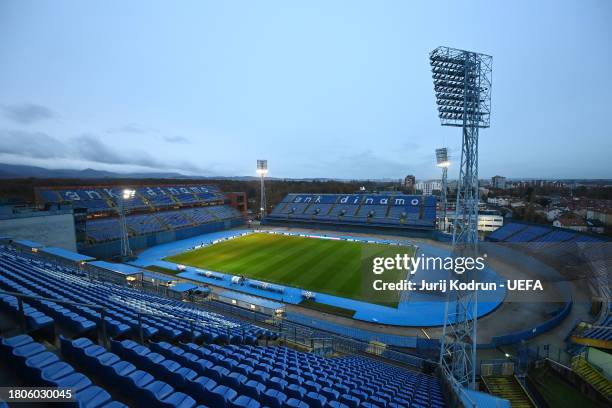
<point x="16" y="171"/>
<point x="9" y="171"/>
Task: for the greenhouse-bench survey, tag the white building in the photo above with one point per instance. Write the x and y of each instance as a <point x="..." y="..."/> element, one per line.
<point x="488" y="221"/>
<point x="428" y="187"/>
<point x="502" y="202"/>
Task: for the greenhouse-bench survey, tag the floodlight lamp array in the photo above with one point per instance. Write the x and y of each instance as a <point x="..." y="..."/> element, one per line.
<point x="262" y="167"/>
<point x="442" y="157"/>
<point x="462" y="83"/>
<point x="128" y="194"/>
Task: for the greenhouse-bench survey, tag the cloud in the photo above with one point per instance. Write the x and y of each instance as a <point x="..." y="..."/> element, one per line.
<point x="86" y="147"/>
<point x="129" y="128"/>
<point x="176" y="139"/>
<point x="27" y="113"/>
<point x="30" y="144"/>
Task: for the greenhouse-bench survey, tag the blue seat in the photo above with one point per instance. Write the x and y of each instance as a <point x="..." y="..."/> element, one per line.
<point x="35" y="364"/>
<point x="337" y="404"/>
<point x="8" y="344"/>
<point x="22" y="353"/>
<point x="93" y="396"/>
<point x="135" y="381"/>
<point x="273" y="398"/>
<point x="105" y="361"/>
<point x="315" y="400"/>
<point x="253" y="389"/>
<point x="221" y="396"/>
<point x="235" y="381"/>
<point x="244" y="402"/>
<point x="349" y="400"/>
<point x="151" y="360"/>
<point x="243" y="369"/>
<point x="52" y="374"/>
<point x="201" y="388"/>
<point x="155" y="391"/>
<point x="91" y="354"/>
<point x="295" y="391"/>
<point x="74" y="381"/>
<point x="217" y="373"/>
<point x="295" y="403"/>
<point x="177" y="400"/>
<point x="114" y="404"/>
<point x="277" y="383"/>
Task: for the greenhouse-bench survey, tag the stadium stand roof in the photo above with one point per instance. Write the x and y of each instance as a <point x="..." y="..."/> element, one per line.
<point x="117" y="267"/>
<point x="28" y="243"/>
<point x="183" y="287"/>
<point x="66" y="254"/>
<point x="265" y="303"/>
<point x="157" y="276"/>
<point x="521" y="232"/>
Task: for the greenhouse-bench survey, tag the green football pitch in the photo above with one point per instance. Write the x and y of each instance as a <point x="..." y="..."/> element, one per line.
<point x="335" y="267"/>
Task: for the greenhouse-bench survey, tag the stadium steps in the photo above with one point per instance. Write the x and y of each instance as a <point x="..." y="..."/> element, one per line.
<point x="146" y="201"/>
<point x="331" y="209"/>
<point x="509" y="387"/>
<point x="110" y="203"/>
<point x="592" y="376"/>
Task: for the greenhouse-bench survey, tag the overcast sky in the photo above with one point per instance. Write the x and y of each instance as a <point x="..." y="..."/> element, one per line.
<point x="319" y="88"/>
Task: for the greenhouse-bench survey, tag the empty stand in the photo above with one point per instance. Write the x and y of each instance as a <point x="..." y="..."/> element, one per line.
<point x="381" y="210"/>
<point x="184" y="356"/>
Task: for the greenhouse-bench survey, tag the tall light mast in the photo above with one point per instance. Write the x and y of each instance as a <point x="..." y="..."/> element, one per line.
<point x="462" y="84"/>
<point x="442" y="161"/>
<point x="126" y="195"/>
<point x="262" y="170"/>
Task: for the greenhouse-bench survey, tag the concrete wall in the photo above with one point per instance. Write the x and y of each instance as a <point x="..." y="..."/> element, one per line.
<point x="50" y="230"/>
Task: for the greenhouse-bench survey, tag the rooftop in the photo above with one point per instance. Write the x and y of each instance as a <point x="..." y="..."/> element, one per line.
<point x="117" y="267"/>
<point x="64" y="253"/>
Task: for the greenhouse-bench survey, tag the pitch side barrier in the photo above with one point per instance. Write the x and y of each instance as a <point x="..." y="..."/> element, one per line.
<point x="415" y="232"/>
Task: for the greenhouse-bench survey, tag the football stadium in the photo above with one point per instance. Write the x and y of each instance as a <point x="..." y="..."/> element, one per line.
<point x="201" y="288"/>
<point x="207" y="310"/>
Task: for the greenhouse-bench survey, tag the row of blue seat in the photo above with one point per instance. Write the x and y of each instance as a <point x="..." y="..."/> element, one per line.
<point x="279" y="374"/>
<point x="39" y="367"/>
<point x="34" y="319"/>
<point x="142" y="386"/>
<point x="122" y="306"/>
<point x="105" y="229"/>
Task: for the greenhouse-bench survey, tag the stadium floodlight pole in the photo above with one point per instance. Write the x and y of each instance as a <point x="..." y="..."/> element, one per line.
<point x="442" y="161"/>
<point x="126" y="194"/>
<point x="262" y="170"/>
<point x="462" y="84"/>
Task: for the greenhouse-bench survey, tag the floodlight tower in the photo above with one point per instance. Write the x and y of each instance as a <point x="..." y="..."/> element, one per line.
<point x="462" y="84"/>
<point x="443" y="162"/>
<point x="262" y="170"/>
<point x="126" y="195"/>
